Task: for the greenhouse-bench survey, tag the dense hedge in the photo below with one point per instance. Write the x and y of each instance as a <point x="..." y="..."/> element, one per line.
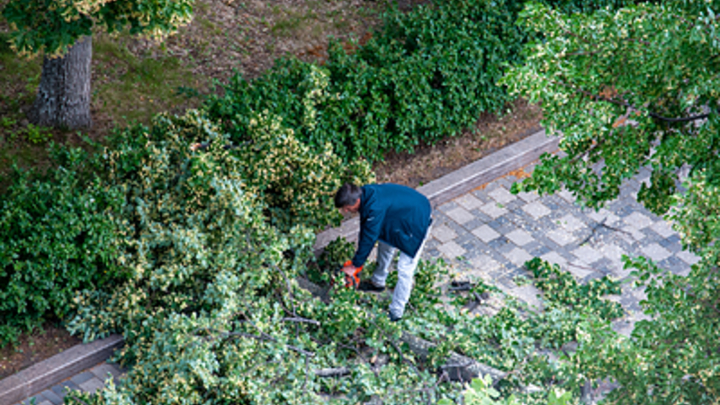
<point x="428" y="74"/>
<point x="77" y="227"/>
<point x="57" y="235"/>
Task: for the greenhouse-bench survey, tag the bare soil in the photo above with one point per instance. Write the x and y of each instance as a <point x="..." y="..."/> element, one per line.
<point x="228" y="36"/>
<point x="490" y="133"/>
<point x="35" y="347"/>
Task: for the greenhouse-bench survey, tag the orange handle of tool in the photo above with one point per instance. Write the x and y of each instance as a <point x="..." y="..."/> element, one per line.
<point x="354" y="280"/>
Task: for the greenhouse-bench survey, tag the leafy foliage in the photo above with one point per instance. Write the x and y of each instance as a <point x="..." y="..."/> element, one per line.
<point x="627" y="90"/>
<point x="427" y="75"/>
<point x="562" y="289"/>
<point x="212" y="312"/>
<point x="54" y="26"/>
<point x="207" y="245"/>
<point x="481" y="392"/>
<point x="57" y="235"/>
<point x="519" y="340"/>
<point x="332" y="258"/>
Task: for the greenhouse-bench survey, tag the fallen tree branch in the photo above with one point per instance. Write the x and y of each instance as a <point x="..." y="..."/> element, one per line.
<point x="332" y="372"/>
<point x="267" y="338"/>
<point x="597" y="97"/>
<point x="301" y="320"/>
<point x="459" y="367"/>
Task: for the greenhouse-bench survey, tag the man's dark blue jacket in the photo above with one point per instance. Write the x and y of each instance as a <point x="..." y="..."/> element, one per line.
<point x="394" y="214"/>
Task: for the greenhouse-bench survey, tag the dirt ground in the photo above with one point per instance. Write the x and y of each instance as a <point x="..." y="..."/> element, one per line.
<point x="247" y="36"/>
<point x="35" y="347"/>
<point x="489" y="134"/>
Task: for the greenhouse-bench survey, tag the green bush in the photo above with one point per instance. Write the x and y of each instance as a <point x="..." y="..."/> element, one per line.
<point x="427" y="75"/>
<point x="57" y="235"/>
<point x="80" y="226"/>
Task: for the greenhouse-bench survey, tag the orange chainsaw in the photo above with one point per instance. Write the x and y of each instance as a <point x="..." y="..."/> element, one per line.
<point x="352" y="281"/>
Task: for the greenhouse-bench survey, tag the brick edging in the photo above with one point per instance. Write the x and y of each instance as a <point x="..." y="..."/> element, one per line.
<point x="62" y="366"/>
<point x="49" y="372"/>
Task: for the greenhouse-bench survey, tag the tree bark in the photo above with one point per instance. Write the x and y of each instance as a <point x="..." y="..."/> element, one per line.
<point x="63" y="97"/>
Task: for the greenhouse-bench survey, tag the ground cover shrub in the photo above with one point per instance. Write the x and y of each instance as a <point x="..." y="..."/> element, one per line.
<point x="425" y="76"/>
<point x="75" y="227"/>
<point x="57" y="235"/>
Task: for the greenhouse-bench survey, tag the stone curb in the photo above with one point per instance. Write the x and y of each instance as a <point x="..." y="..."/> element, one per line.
<point x="49" y="372"/>
<point x="459" y="182"/>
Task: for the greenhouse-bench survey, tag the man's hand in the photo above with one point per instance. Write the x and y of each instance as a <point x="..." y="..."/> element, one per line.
<point x="195" y="146"/>
<point x="349" y="270"/>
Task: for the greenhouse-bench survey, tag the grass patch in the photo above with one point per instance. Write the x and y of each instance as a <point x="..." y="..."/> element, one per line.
<point x="293" y="21"/>
<point x="139" y="87"/>
<point x="19" y="78"/>
<point x="125" y="88"/>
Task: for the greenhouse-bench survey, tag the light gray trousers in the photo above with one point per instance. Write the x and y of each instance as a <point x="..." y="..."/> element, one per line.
<point x="406" y="270"/>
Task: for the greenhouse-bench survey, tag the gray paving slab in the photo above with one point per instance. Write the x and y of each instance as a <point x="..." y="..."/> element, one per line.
<point x="493" y="209"/>
<point x="52" y="397"/>
<point x="460" y="215"/>
<point x="470" y="202"/>
<point x="506" y="232"/>
<point x="687" y="257"/>
<point x="443" y="233"/>
<point x="451" y="250"/>
<point x="82" y="377"/>
<point x="502" y="195"/>
<point x="61" y="390"/>
<point x="473" y="224"/>
<point x="485" y="233"/>
<point x="482" y="196"/>
<point x="520" y="237"/>
<point x="104" y="371"/>
<point x="448" y="206"/>
<point x="92" y="385"/>
<point x="537" y="209"/>
<point x="528" y="196"/>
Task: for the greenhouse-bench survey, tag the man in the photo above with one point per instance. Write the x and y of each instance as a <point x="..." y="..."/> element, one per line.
<point x="397" y="217"/>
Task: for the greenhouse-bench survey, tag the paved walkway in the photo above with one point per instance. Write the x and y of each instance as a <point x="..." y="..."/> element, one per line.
<point x="89" y="381"/>
<point x="490" y="233"/>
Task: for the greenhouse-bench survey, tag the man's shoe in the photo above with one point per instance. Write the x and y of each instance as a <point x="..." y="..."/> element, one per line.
<point x="394" y="319"/>
<point x="367" y="285"/>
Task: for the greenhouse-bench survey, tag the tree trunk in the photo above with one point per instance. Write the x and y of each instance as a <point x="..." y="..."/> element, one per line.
<point x="63" y="97"/>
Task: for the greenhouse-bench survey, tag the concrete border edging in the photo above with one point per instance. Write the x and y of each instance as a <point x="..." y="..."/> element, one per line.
<point x="459" y="182"/>
<point x="59" y="367"/>
<point x="62" y="366"/>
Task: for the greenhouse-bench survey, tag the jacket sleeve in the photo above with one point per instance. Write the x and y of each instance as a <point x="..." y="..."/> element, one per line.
<point x="370" y="227"/>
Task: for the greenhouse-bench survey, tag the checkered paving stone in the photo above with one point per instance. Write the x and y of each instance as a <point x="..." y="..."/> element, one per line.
<point x="469" y="202"/>
<point x="460" y="215"/>
<point x="494" y="232"/>
<point x="89" y="381"/>
<point x="493" y="209"/>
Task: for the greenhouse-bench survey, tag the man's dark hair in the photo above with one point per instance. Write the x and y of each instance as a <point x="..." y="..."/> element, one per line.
<point x="347" y="195"/>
